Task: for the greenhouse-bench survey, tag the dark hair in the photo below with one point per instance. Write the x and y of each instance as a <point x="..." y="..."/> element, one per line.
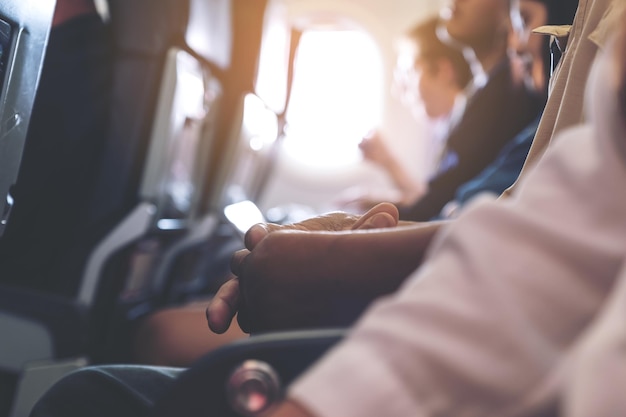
<point x="560" y="12"/>
<point x="430" y="48"/>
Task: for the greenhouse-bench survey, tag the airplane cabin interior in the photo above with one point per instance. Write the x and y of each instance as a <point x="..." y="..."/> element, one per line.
<point x="126" y="192"/>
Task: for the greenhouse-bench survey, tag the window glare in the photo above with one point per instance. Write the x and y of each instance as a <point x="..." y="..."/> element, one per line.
<point x="336" y="97"/>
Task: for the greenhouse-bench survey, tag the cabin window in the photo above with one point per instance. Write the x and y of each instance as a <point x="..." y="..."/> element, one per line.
<point x="336" y="97"/>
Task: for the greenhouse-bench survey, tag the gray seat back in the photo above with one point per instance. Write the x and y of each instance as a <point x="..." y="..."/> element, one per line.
<point x="24" y="29"/>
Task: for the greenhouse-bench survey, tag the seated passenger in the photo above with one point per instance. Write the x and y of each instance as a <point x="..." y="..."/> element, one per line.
<point x="502" y="105"/>
<point x="505" y="294"/>
<point x="497" y="176"/>
<point x="431" y="78"/>
<point x="534" y="51"/>
<point x="495" y="113"/>
<point x="530" y="50"/>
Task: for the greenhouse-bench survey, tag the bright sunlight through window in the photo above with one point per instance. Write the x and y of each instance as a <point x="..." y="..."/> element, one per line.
<point x="336" y="97"/>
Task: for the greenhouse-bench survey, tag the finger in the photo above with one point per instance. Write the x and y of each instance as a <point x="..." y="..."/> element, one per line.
<point x="237" y="259"/>
<point x="256" y="234"/>
<point x="382" y="208"/>
<point x="244" y="317"/>
<point x="223" y="307"/>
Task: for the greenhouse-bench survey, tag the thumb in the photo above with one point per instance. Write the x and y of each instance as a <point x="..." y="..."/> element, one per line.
<point x="383" y="214"/>
<point x="379" y="221"/>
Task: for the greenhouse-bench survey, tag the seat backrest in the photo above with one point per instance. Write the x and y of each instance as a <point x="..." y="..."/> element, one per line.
<point x="182" y="133"/>
<point x="241" y="188"/>
<point x="255" y="126"/>
<point x="24" y="30"/>
<point x="194" y="265"/>
<point x="144" y="33"/>
<point x="159" y="150"/>
<point x="246" y="21"/>
<point x="161" y="97"/>
<point x="130" y="181"/>
<point x="129" y="171"/>
<point x="245" y="150"/>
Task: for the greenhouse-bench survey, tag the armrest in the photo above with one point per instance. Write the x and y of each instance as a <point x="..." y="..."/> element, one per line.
<point x="202" y="389"/>
<point x="36" y="326"/>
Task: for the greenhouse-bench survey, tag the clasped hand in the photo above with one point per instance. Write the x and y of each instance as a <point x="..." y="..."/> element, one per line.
<point x="283" y="279"/>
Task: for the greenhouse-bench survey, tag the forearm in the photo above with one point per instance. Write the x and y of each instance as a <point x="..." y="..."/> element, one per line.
<point x="374" y="263"/>
<point x="327" y="278"/>
<point x="364" y="263"/>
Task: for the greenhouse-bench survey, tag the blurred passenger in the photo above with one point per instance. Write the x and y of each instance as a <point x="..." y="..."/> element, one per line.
<point x="494" y="115"/>
<point x="501" y="106"/>
<point x="533" y="59"/>
<point x="484" y="328"/>
<point x="430" y="77"/>
<point x="533" y="53"/>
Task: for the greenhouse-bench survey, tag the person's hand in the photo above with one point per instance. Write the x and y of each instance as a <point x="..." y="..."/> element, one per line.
<point x="228" y="301"/>
<point x="375" y="149"/>
<point x="381" y="216"/>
